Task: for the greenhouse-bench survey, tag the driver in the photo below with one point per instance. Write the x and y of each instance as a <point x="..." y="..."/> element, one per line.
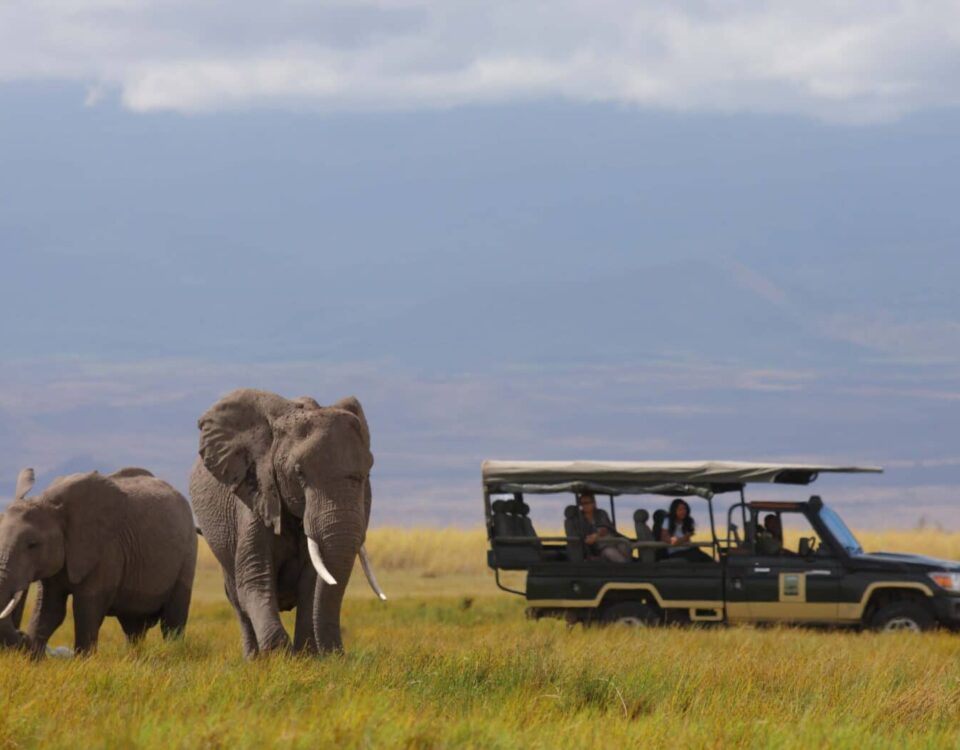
<point x="593" y="526"/>
<point x="770" y="537"/>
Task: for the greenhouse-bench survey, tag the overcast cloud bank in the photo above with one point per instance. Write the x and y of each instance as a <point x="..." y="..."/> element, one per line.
<point x="840" y="61"/>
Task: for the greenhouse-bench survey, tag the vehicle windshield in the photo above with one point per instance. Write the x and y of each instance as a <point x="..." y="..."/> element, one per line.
<point x="840" y="531"/>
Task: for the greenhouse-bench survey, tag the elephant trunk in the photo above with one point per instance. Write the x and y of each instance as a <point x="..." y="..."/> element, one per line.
<point x="335" y="526"/>
<point x="10" y="594"/>
<point x="338" y="553"/>
<point x="316" y="557"/>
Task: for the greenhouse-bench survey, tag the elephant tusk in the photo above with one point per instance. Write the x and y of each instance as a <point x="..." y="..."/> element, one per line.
<point x="317" y="561"/>
<point x="368" y="571"/>
<point x="10" y="607"/>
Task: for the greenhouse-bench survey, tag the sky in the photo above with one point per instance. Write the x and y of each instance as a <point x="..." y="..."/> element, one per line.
<point x="514" y="230"/>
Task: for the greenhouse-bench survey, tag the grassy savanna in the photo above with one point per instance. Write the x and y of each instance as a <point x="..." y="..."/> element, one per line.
<point x="451" y="661"/>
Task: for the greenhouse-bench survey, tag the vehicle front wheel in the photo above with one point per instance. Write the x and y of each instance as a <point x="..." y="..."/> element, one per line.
<point x="630" y="613"/>
<point x="907" y="616"/>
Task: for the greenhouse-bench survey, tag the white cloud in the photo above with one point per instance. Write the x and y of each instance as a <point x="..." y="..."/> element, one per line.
<point x="849" y="61"/>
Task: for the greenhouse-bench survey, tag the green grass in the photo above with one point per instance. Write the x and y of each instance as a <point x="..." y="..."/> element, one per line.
<point x="451" y="661"/>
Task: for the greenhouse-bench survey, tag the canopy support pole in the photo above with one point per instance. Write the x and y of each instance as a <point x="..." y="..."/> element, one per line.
<point x="743" y="513"/>
<point x="713" y="526"/>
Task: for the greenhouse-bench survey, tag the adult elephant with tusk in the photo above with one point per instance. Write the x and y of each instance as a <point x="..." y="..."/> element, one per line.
<point x="281" y="492"/>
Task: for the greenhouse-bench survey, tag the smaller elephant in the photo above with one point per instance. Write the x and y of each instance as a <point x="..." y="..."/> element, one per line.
<point x="122" y="545"/>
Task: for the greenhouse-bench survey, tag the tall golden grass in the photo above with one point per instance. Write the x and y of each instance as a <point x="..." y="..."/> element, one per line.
<point x="444" y="551"/>
<point x="452" y="662"/>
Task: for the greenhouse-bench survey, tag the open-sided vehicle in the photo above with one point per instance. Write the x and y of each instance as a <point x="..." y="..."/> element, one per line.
<point x="748" y="575"/>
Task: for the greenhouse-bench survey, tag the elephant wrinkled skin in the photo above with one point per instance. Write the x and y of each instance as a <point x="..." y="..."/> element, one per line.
<point x="281" y="491"/>
<point x="121" y="545"/>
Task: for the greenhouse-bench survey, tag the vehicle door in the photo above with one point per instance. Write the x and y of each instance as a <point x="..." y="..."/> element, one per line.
<point x="794" y="578"/>
<point x="738" y="554"/>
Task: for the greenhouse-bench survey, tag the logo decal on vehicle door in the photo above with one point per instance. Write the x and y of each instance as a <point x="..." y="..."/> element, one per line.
<point x="793" y="587"/>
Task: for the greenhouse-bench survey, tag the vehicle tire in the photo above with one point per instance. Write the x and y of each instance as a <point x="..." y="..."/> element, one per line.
<point x="634" y="614"/>
<point x="908" y="616"/>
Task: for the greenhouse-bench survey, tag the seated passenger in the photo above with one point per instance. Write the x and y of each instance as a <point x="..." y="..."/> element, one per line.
<point x="678" y="529"/>
<point x="593" y="526"/>
<point x="770" y="537"/>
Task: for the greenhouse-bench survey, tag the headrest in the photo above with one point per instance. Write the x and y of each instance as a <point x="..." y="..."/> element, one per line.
<point x="641" y="516"/>
<point x="659" y="515"/>
<point x="570" y="512"/>
<point x="499" y="506"/>
<point x="523" y="509"/>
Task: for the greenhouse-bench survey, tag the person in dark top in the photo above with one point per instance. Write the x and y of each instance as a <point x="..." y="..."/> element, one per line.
<point x="593" y="527"/>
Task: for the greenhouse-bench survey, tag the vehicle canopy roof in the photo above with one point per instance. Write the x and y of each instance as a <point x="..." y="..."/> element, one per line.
<point x="701" y="478"/>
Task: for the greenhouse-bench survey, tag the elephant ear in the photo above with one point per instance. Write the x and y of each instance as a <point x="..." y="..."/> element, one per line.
<point x="93" y="508"/>
<point x="25" y="481"/>
<point x="352" y="405"/>
<point x="237" y="445"/>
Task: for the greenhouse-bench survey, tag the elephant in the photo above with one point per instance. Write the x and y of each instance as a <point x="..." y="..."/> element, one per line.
<point x="281" y="493"/>
<point x="122" y="544"/>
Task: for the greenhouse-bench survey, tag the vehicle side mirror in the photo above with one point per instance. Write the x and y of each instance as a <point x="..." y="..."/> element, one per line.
<point x="806" y="546"/>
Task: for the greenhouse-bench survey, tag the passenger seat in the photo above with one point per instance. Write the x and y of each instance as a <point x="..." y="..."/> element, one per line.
<point x="509" y="521"/>
<point x="522" y="511"/>
<point x="644" y="534"/>
<point x="575" y="550"/>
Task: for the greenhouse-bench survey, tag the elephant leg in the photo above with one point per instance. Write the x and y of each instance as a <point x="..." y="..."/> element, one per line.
<point x="135" y="627"/>
<point x="257" y="584"/>
<point x="247" y="634"/>
<point x="88" y="613"/>
<point x="173" y="616"/>
<point x="303" y="640"/>
<point x="48" y="614"/>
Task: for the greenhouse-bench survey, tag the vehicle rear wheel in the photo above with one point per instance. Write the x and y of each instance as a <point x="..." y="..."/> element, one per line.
<point x="634" y="614"/>
<point x="906" y="616"/>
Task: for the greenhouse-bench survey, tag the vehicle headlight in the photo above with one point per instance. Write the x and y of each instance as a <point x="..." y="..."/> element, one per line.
<point x="948" y="581"/>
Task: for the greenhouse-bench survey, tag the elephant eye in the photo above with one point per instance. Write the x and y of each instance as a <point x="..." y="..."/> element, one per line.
<point x="355" y="477"/>
<point x="33" y="544"/>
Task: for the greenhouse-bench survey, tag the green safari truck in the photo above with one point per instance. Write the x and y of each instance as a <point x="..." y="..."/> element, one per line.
<point x="754" y="572"/>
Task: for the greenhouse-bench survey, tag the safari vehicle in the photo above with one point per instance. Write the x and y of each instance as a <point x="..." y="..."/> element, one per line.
<point x="825" y="579"/>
